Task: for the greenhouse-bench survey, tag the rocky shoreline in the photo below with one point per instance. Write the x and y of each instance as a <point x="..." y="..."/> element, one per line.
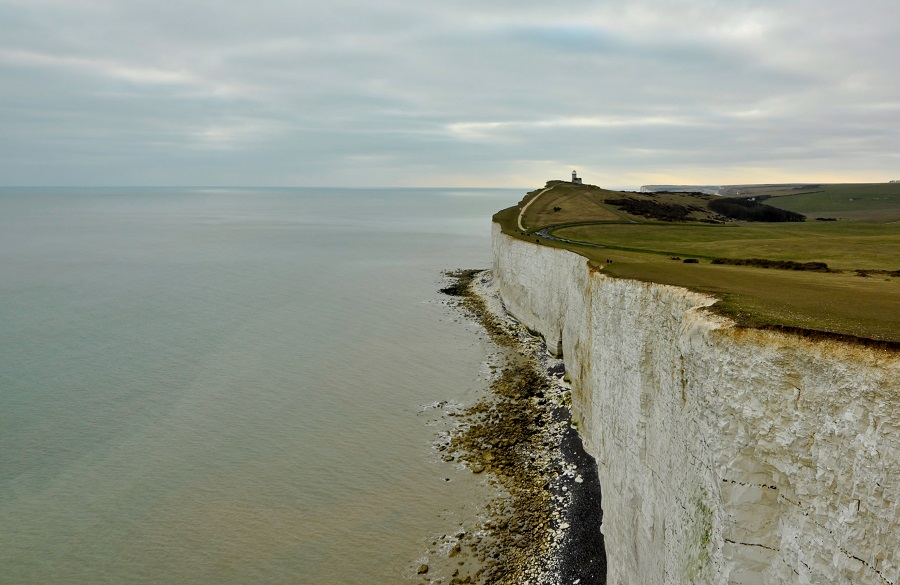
<point x="544" y="526"/>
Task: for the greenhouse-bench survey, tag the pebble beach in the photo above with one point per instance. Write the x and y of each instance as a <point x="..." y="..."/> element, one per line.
<point x="543" y="524"/>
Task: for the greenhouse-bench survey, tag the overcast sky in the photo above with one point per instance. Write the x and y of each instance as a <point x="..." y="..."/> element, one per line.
<point x="506" y="93"/>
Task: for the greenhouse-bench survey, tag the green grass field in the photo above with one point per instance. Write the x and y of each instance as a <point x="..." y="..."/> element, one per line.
<point x="836" y="303"/>
<point x="842" y="245"/>
<point x="878" y="202"/>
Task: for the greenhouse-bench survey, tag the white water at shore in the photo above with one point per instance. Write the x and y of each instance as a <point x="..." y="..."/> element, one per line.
<point x="226" y="385"/>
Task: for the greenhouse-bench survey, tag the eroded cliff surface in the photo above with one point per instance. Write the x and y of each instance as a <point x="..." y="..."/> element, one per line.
<point x="726" y="455"/>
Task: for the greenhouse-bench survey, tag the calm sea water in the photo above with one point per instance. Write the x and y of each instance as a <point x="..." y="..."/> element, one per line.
<point x="226" y="385"/>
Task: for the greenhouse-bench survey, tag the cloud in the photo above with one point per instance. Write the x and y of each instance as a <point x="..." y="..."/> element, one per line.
<point x="99" y="67"/>
<point x="476" y="131"/>
<point x="401" y="92"/>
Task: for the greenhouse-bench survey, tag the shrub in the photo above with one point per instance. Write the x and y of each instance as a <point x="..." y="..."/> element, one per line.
<point x="654" y="209"/>
<point x="780" y="264"/>
<point x="750" y="210"/>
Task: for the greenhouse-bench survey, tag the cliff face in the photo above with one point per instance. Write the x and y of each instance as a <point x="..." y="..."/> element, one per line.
<point x="726" y="455"/>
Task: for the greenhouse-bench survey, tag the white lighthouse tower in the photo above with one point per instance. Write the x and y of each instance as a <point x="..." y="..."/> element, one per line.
<point x="575" y="178"/>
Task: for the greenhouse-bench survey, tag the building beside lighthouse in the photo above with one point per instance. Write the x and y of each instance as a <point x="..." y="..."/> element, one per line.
<point x="575" y="178"/>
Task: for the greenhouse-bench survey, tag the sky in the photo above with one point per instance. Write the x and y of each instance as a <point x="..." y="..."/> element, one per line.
<point x="417" y="93"/>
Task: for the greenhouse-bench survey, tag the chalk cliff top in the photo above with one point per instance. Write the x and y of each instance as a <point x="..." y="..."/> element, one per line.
<point x="824" y="260"/>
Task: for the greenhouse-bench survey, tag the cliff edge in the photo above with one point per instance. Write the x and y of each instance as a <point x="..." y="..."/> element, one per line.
<point x="726" y="454"/>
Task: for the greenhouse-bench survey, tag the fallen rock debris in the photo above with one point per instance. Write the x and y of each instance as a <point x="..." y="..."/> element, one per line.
<point x="514" y="436"/>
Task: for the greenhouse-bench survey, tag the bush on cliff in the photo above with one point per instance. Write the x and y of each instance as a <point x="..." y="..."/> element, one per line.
<point x="781" y="264"/>
<point x="654" y="209"/>
<point x="750" y="210"/>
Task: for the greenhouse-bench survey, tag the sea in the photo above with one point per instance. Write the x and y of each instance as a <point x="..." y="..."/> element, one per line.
<point x="233" y="385"/>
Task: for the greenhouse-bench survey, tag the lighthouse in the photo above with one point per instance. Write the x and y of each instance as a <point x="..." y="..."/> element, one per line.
<point x="575" y="178"/>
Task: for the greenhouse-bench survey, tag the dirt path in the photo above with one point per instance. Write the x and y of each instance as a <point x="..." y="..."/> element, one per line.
<point x="527" y="205"/>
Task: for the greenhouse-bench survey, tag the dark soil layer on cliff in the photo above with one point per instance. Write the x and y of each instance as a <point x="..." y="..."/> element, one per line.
<point x="545" y="527"/>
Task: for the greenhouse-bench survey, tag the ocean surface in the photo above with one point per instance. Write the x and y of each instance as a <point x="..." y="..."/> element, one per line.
<point x="232" y="385"/>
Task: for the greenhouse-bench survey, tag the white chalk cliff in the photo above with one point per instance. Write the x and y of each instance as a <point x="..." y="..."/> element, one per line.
<point x="726" y="455"/>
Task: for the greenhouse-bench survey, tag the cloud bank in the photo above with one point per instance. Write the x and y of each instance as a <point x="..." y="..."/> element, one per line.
<point x="402" y="93"/>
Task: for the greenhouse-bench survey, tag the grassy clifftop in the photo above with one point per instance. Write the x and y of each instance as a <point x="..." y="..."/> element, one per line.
<point x="853" y="229"/>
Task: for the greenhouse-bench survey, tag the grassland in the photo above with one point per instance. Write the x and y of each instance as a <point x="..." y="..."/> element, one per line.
<point x="879" y="202"/>
<point x="568" y="203"/>
<point x="842" y="245"/>
<point x="839" y="303"/>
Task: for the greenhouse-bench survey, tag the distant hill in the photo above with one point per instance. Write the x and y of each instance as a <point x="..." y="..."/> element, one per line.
<point x="566" y="203"/>
<point x="878" y="202"/>
<point x="707" y="189"/>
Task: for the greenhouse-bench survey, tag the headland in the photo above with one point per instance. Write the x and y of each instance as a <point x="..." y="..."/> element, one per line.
<point x="737" y="381"/>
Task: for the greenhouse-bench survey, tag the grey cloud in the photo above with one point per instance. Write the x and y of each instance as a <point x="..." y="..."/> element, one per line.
<point x="399" y="92"/>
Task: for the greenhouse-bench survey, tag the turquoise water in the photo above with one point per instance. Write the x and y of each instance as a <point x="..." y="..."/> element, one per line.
<point x="227" y="385"/>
